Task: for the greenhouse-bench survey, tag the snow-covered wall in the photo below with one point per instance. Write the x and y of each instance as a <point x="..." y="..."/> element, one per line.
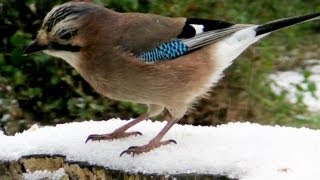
<point x="238" y="150"/>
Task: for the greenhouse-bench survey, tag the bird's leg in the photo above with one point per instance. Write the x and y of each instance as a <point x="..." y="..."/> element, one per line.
<point x="120" y="132"/>
<point x="153" y="110"/>
<point x="153" y="143"/>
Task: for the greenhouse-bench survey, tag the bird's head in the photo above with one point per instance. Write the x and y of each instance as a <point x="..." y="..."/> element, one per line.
<point x="64" y="30"/>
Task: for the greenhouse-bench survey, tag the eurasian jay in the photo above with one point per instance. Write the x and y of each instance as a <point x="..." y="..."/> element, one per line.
<point x="159" y="61"/>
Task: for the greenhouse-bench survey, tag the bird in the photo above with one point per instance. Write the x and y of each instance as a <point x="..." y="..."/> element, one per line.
<point x="166" y="63"/>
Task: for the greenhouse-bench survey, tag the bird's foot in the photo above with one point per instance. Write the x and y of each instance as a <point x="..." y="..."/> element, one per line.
<point x="146" y="148"/>
<point x="111" y="136"/>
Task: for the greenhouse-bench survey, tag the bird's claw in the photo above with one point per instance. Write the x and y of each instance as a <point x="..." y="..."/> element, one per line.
<point x="132" y="147"/>
<point x="133" y="150"/>
<point x="111" y="136"/>
<point x="94" y="137"/>
<point x="127" y="152"/>
<point x="137" y="133"/>
<point x="172" y="141"/>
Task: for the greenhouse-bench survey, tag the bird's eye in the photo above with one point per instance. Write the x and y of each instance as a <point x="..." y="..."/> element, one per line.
<point x="66" y="36"/>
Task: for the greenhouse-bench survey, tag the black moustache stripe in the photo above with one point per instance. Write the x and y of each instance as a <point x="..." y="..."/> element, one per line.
<point x="65" y="47"/>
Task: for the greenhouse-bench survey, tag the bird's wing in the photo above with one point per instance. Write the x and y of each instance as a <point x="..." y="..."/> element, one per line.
<point x="212" y="36"/>
<point x="154" y="38"/>
<point x="181" y="46"/>
<point x="209" y="31"/>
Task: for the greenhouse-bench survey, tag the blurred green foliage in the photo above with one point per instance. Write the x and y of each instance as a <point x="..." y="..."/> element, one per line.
<point x="43" y="89"/>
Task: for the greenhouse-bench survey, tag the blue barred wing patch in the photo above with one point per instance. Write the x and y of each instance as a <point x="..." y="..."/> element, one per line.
<point x="165" y="51"/>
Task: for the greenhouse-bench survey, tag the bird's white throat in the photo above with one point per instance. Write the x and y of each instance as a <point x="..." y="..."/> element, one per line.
<point x="70" y="57"/>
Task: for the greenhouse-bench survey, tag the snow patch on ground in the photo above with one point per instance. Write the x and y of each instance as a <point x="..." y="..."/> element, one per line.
<point x="238" y="150"/>
<point x="41" y="175"/>
<point x="287" y="81"/>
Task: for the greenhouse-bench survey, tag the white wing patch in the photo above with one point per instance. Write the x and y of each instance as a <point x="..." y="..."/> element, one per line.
<point x="199" y="28"/>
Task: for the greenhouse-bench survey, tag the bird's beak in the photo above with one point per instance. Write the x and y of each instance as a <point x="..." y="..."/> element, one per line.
<point x="34" y="47"/>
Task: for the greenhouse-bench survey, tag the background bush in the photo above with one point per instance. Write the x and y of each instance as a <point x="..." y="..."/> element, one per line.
<point x="46" y="90"/>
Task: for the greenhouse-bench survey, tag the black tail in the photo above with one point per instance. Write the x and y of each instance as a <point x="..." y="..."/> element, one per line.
<point x="282" y="23"/>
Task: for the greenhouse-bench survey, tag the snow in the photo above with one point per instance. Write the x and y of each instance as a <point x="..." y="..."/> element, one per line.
<point x="238" y="150"/>
<point x="287" y="81"/>
<point x="40" y="175"/>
